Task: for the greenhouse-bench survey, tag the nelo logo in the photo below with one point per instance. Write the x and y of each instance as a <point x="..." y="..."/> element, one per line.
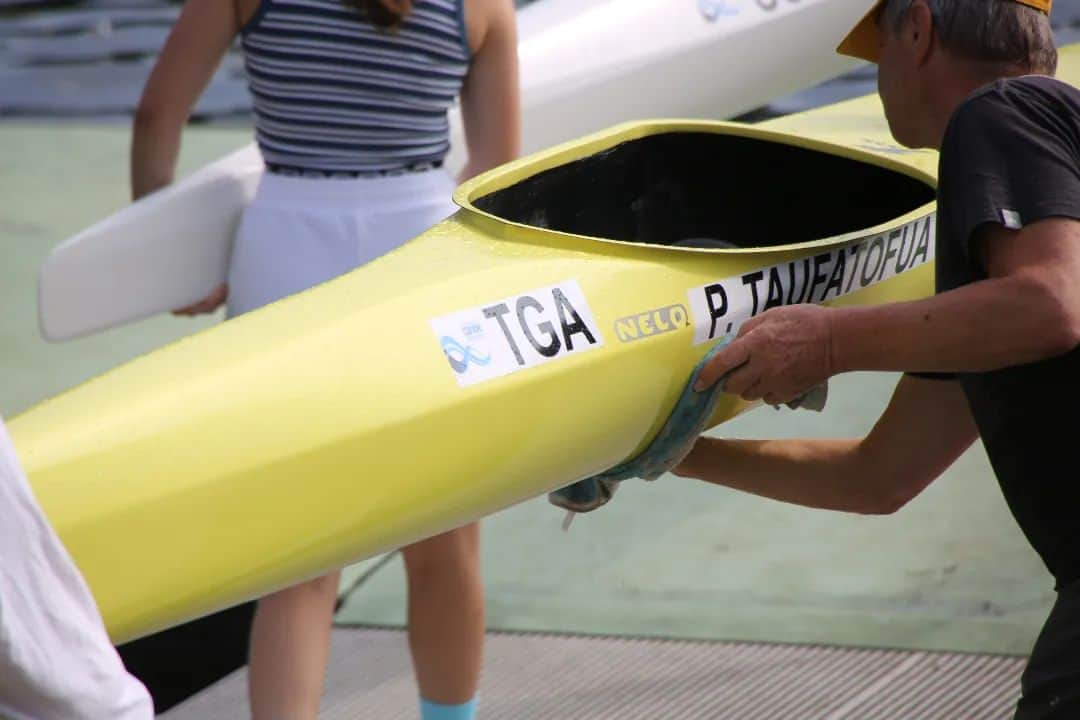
<point x="651" y="322"/>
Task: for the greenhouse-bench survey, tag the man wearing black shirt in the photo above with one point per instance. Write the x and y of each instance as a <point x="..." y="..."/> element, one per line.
<point x="994" y="350"/>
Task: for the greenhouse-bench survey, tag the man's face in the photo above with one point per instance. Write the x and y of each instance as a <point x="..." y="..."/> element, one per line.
<point x="898" y="87"/>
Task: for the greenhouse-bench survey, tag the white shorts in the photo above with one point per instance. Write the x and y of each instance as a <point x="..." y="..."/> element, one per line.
<point x="299" y="232"/>
<point x="56" y="660"/>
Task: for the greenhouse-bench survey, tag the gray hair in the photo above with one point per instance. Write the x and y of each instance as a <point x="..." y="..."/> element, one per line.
<point x="999" y="32"/>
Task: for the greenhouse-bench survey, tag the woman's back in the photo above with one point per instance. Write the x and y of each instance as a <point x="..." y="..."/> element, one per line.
<point x="333" y="91"/>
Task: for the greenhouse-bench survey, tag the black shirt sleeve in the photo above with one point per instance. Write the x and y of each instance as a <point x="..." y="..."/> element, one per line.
<point x="1009" y="157"/>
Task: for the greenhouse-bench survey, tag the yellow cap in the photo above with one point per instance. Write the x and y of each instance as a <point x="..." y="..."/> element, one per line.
<point x="864" y="40"/>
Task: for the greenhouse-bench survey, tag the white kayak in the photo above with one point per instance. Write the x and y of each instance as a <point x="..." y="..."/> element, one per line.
<point x="585" y="65"/>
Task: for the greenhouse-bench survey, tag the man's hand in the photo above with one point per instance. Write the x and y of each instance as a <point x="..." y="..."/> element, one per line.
<point x="777" y="356"/>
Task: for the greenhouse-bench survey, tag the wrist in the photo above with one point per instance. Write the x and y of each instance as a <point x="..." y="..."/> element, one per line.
<point x="690" y="464"/>
<point x="842" y="333"/>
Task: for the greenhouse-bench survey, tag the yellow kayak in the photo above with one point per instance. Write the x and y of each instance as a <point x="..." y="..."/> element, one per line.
<point x="538" y="336"/>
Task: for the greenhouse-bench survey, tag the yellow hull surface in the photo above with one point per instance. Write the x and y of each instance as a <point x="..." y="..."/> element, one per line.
<point x="538" y="336"/>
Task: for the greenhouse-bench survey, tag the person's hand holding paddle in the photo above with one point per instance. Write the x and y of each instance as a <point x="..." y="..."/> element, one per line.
<point x="208" y="304"/>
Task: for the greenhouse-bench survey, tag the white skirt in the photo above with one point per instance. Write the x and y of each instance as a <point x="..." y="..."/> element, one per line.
<point x="299" y="232"/>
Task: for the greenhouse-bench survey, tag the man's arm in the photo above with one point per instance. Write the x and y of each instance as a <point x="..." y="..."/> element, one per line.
<point x="1028" y="309"/>
<point x="925" y="427"/>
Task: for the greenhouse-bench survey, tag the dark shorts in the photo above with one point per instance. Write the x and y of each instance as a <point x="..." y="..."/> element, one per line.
<point x="1051" y="682"/>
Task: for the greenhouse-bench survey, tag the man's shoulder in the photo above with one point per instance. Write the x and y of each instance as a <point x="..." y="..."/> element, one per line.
<point x="1022" y="95"/>
<point x="1045" y="84"/>
<point x="1007" y="109"/>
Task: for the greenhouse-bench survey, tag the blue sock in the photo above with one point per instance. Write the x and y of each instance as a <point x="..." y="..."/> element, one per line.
<point x="435" y="711"/>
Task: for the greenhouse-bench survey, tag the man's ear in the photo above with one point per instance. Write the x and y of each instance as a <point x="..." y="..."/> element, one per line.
<point x="919" y="31"/>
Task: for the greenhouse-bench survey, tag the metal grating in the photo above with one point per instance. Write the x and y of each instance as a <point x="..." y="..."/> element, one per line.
<point x="550" y="677"/>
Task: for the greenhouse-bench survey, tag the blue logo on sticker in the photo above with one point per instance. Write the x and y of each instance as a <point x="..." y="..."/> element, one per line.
<point x="713" y="9"/>
<point x="460" y="356"/>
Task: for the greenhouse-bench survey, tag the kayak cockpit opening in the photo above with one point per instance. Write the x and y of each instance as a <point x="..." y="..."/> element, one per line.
<point x="709" y="190"/>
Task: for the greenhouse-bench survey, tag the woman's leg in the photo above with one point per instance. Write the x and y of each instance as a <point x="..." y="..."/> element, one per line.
<point x="446" y="617"/>
<point x="290" y="644"/>
<point x="282" y="248"/>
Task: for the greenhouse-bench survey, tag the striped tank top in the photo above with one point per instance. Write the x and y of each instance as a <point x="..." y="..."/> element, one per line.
<point x="333" y="92"/>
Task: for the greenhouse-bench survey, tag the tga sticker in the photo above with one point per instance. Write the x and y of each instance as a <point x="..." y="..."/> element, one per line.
<point x="651" y="322"/>
<point x="720" y="307"/>
<point x="517" y="332"/>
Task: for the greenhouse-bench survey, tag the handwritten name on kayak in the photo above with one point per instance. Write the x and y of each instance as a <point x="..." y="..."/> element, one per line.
<point x="517" y="332"/>
<point x="651" y="322"/>
<point x="721" y="307"/>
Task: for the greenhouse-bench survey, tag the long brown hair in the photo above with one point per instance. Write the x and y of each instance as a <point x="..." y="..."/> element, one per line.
<point x="384" y="13"/>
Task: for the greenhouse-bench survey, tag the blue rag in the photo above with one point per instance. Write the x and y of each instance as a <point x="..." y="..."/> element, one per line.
<point x="674" y="441"/>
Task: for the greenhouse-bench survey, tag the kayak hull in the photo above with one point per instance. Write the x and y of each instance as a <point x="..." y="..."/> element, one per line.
<point x="482" y="364"/>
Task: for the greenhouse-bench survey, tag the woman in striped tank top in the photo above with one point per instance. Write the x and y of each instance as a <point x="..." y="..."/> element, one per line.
<point x="350" y="101"/>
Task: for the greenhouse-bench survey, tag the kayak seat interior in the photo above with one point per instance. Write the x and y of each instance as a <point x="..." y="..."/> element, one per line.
<point x="709" y="190"/>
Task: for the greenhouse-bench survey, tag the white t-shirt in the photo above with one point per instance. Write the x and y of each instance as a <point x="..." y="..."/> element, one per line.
<point x="56" y="659"/>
